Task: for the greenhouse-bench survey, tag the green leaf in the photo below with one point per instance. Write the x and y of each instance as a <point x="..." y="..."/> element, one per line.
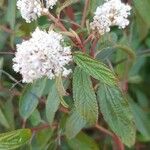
<point x="84" y="96"/>
<point x="82" y="142"/>
<point x="74" y="124"/>
<point x="11" y="13"/>
<point x="94" y="4"/>
<point x="1" y="3"/>
<point x="127" y="50"/>
<point x="117" y="113"/>
<point x="61" y="90"/>
<point x="3" y="120"/>
<point x="142" y="121"/>
<point x="96" y="69"/>
<point x="9" y="113"/>
<point x="14" y="139"/>
<point x="35" y="118"/>
<point x="42" y="139"/>
<point x="143" y="8"/>
<point x="29" y="99"/>
<point x="52" y="103"/>
<point x="11" y="18"/>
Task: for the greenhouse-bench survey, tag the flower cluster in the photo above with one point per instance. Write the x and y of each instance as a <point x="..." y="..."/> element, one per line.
<point x="32" y="9"/>
<point x="111" y="13"/>
<point x="42" y="56"/>
<point x="50" y="3"/>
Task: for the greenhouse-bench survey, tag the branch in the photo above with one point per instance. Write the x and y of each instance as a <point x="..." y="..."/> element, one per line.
<point x="7" y="53"/>
<point x="45" y="126"/>
<point x="75" y="40"/>
<point x="87" y="2"/>
<point x="115" y="138"/>
<point x="92" y="51"/>
<point x="4" y="28"/>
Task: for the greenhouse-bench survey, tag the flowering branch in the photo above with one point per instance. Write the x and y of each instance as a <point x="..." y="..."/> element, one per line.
<point x="75" y="40"/>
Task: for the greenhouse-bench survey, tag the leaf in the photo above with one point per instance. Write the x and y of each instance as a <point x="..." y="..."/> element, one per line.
<point x="35" y="118"/>
<point x="66" y="4"/>
<point x="42" y="139"/>
<point x="142" y="27"/>
<point x="108" y="40"/>
<point x="14" y="139"/>
<point x="74" y="124"/>
<point x="141" y="119"/>
<point x="116" y="113"/>
<point x="84" y="96"/>
<point x="143" y="8"/>
<point x="11" y="13"/>
<point x="94" y="4"/>
<point x="82" y="142"/>
<point x="1" y="3"/>
<point x="127" y="50"/>
<point x="61" y="90"/>
<point x="96" y="69"/>
<point x="60" y="87"/>
<point x="29" y="99"/>
<point x="52" y="103"/>
<point x="11" y="18"/>
<point x="9" y="113"/>
<point x="3" y="120"/>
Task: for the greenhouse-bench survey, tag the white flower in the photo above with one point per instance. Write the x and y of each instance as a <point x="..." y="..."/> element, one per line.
<point x="50" y="3"/>
<point x="42" y="56"/>
<point x="111" y="13"/>
<point x="32" y="9"/>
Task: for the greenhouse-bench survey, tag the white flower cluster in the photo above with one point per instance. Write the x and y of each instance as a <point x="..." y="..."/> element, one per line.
<point x="32" y="9"/>
<point x="50" y="3"/>
<point x="42" y="56"/>
<point x="111" y="13"/>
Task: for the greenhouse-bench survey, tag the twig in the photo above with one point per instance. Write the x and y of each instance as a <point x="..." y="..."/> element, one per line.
<point x="116" y="139"/>
<point x="64" y="110"/>
<point x="56" y="21"/>
<point x="143" y="52"/>
<point x="75" y="40"/>
<point x="11" y="77"/>
<point x="90" y="37"/>
<point x="15" y="84"/>
<point x="72" y="22"/>
<point x="24" y="123"/>
<point x="4" y="28"/>
<point x="7" y="53"/>
<point x="92" y="51"/>
<point x="87" y="2"/>
<point x="45" y="126"/>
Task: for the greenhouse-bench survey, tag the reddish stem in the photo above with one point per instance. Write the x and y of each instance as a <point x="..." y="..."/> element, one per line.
<point x="92" y="51"/>
<point x="90" y="37"/>
<point x="45" y="126"/>
<point x="75" y="40"/>
<point x="115" y="138"/>
<point x="8" y="30"/>
<point x="70" y="14"/>
<point x="87" y="2"/>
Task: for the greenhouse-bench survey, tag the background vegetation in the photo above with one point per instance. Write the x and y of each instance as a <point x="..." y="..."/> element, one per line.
<point x="24" y="105"/>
